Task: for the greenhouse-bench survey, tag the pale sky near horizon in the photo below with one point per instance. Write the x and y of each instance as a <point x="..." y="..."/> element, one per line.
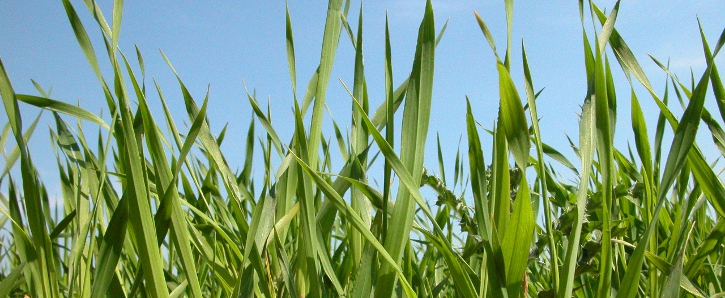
<point x="229" y="44"/>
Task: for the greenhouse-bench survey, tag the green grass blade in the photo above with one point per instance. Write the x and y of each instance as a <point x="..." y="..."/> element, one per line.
<point x="494" y="268"/>
<point x="83" y="40"/>
<point x="486" y="33"/>
<point x="605" y="153"/>
<point x="138" y="195"/>
<point x="517" y="241"/>
<point x="513" y="119"/>
<point x="117" y="16"/>
<point x="58" y="106"/>
<point x="416" y="116"/>
<point x="671" y="288"/>
<point x="290" y="50"/>
<point x="330" y="40"/>
<point x="110" y="250"/>
<point x="12" y="158"/>
<point x="681" y="144"/>
<point x="355" y="220"/>
<point x="8" y="282"/>
<point x="586" y="151"/>
<point x="359" y="142"/>
<point x="531" y="98"/>
<point x="607" y="28"/>
<point x="509" y="7"/>
<point x="48" y="286"/>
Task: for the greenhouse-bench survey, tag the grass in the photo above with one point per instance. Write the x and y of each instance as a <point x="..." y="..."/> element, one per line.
<point x="158" y="212"/>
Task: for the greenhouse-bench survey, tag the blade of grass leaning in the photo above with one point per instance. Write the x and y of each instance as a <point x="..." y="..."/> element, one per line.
<point x="12" y="158"/>
<point x="681" y="144"/>
<point x="137" y="193"/>
<point x="308" y="267"/>
<point x="61" y="107"/>
<point x="359" y="142"/>
<point x="531" y="98"/>
<point x="167" y="177"/>
<point x="479" y="184"/>
<point x="356" y="221"/>
<point x="330" y="39"/>
<point x="513" y="118"/>
<point x="671" y="287"/>
<point x="586" y="150"/>
<point x="605" y="154"/>
<point x="517" y="241"/>
<point x="267" y="124"/>
<point x="48" y="286"/>
<point x="416" y="116"/>
<point x="407" y="180"/>
<point x="486" y="33"/>
<point x="85" y="43"/>
<point x="8" y="282"/>
<point x="110" y="250"/>
<point x="461" y="279"/>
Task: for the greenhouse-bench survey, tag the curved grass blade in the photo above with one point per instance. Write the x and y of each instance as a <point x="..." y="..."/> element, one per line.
<point x="47" y="285"/>
<point x="531" y="98"/>
<point x="58" y="106"/>
<point x="12" y="158"/>
<point x="681" y="144"/>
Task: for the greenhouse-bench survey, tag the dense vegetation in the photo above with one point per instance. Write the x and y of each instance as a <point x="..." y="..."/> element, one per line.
<point x="149" y="210"/>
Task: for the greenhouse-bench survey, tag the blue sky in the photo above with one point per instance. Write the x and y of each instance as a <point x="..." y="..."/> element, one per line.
<point x="227" y="44"/>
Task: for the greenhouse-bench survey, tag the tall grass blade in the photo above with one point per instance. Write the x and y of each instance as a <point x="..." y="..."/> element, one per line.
<point x="681" y="144"/>
<point x="541" y="169"/>
<point x="330" y="39"/>
<point x="45" y="281"/>
<point x="587" y="144"/>
<point x="416" y="116"/>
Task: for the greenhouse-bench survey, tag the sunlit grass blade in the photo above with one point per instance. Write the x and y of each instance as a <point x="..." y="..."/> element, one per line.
<point x="359" y="143"/>
<point x="12" y="158"/>
<point x="517" y="241"/>
<point x="586" y="151"/>
<point x="416" y="116"/>
<point x="479" y="184"/>
<point x="46" y="277"/>
<point x="356" y="221"/>
<point x="681" y="144"/>
<point x="170" y="212"/>
<point x="8" y="282"/>
<point x="605" y="155"/>
<point x="513" y="119"/>
<point x="541" y="169"/>
<point x="330" y="39"/>
<point x="110" y="250"/>
<point x="137" y="193"/>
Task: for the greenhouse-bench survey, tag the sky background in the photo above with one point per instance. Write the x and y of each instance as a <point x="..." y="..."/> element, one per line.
<point x="225" y="45"/>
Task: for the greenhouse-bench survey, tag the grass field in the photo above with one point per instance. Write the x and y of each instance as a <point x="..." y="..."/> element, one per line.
<point x="153" y="209"/>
